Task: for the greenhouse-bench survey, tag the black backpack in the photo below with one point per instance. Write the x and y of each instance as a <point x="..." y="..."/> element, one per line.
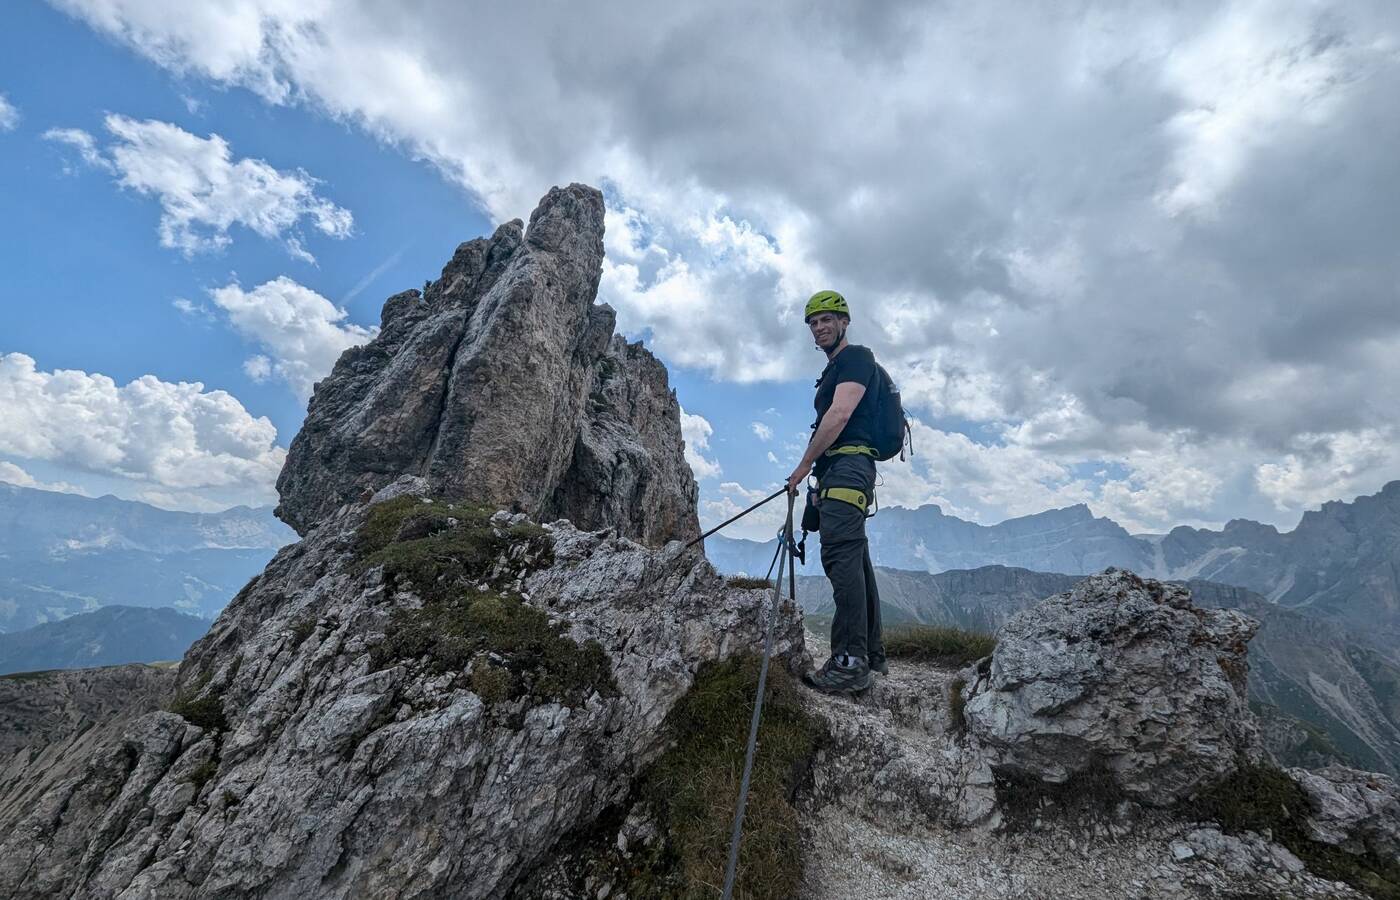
<point x="891" y="427"/>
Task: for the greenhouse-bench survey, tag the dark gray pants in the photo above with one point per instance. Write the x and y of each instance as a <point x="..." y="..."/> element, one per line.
<point x="855" y="630"/>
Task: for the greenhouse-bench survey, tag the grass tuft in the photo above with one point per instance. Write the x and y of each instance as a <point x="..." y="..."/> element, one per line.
<point x="1087" y="797"/>
<point x="536" y="659"/>
<point x="746" y="583"/>
<point x="1265" y="799"/>
<point x="937" y="644"/>
<point x="302" y="629"/>
<point x="693" y="788"/>
<point x="201" y="774"/>
<point x="201" y="708"/>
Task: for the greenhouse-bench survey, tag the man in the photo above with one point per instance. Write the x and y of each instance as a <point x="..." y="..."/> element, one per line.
<point x="842" y="456"/>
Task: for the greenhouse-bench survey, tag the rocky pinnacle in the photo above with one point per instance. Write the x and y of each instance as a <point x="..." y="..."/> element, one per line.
<point x="503" y="384"/>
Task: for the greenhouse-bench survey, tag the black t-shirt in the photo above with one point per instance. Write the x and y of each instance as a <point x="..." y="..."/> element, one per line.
<point x="855" y="363"/>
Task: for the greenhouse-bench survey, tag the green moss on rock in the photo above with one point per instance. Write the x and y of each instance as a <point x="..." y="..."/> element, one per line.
<point x="534" y="657"/>
<point x="1266" y="800"/>
<point x="438" y="547"/>
<point x="448" y="554"/>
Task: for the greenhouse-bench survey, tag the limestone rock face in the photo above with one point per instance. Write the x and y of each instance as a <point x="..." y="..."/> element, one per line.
<point x="1118" y="672"/>
<point x="301" y="764"/>
<point x="504" y="385"/>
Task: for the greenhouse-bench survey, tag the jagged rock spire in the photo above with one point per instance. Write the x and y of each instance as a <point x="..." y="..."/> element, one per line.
<point x="503" y="384"/>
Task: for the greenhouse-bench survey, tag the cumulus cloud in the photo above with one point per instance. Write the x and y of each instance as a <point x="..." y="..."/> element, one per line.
<point x="13" y="474"/>
<point x="9" y="116"/>
<point x="761" y="431"/>
<point x="1087" y="235"/>
<point x="203" y="191"/>
<point x="696" y="431"/>
<point x="302" y="332"/>
<point x="156" y="435"/>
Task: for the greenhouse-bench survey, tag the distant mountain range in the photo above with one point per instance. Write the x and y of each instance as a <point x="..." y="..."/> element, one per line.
<point x="110" y="636"/>
<point x="1341" y="564"/>
<point x="1308" y="669"/>
<point x="64" y="554"/>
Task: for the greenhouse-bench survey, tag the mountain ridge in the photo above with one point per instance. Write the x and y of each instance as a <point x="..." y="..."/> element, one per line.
<point x="66" y="554"/>
<point x="111" y="636"/>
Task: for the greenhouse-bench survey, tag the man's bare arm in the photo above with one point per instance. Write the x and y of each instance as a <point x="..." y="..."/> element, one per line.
<point x="843" y="404"/>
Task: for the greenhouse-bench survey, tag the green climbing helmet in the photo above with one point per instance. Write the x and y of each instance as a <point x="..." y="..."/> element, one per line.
<point x="826" y="301"/>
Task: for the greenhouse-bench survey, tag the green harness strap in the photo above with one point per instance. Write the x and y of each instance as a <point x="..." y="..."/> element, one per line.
<point x="851" y="449"/>
<point x="848" y="495"/>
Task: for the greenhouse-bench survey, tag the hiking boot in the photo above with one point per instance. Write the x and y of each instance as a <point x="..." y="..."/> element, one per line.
<point x="834" y="678"/>
<point x="878" y="664"/>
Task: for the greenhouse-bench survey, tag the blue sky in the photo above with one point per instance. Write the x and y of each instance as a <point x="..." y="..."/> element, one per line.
<point x="1143" y="261"/>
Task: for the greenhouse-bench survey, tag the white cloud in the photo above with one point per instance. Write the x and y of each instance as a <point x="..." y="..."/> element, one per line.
<point x="9" y="116"/>
<point x="773" y="459"/>
<point x="1256" y="68"/>
<point x="302" y="332"/>
<point x="761" y="431"/>
<point x="13" y="474"/>
<point x="151" y="433"/>
<point x="696" y="431"/>
<point x="203" y="191"/>
<point x="190" y="309"/>
<point x="1324" y="467"/>
<point x="1141" y="237"/>
<point x="82" y="142"/>
<point x="258" y="368"/>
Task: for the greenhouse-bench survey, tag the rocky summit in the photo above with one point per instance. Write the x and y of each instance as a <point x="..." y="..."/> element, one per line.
<point x="502" y="383"/>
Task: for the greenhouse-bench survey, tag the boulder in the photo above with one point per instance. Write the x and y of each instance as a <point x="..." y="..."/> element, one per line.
<point x="502" y="384"/>
<point x="1119" y="674"/>
<point x="1356" y="811"/>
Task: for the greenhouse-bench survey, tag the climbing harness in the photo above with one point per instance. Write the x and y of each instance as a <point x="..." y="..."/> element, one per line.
<point x="783" y="556"/>
<point x="852" y="496"/>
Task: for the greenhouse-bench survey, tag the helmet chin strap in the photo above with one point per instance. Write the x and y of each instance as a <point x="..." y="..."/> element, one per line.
<point x="840" y="336"/>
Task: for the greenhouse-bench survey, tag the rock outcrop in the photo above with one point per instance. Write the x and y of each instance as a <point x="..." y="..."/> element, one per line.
<point x="345" y="729"/>
<point x="1120" y="674"/>
<point x="503" y="384"/>
<point x="53" y="723"/>
<point x="1357" y="812"/>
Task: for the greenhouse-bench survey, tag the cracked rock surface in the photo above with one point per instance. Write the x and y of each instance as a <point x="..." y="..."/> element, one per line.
<point x="1123" y="673"/>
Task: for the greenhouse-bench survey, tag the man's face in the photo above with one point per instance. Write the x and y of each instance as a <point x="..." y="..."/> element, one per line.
<point x="827" y="329"/>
